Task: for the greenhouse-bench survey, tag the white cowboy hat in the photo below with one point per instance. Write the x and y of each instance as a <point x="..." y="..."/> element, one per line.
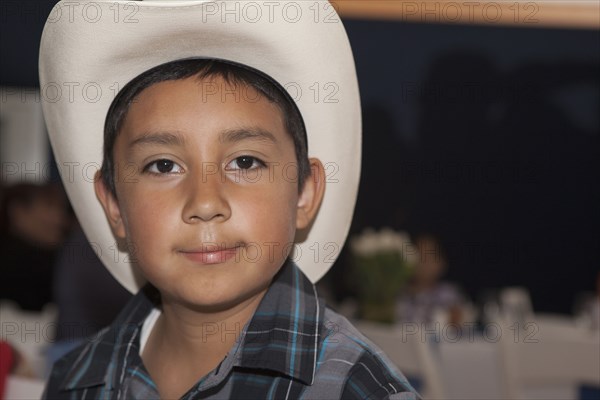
<point x="91" y="49"/>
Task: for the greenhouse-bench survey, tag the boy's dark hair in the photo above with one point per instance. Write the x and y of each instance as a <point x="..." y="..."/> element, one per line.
<point x="232" y="73"/>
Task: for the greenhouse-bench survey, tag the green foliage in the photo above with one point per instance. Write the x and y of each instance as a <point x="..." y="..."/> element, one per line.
<point x="381" y="276"/>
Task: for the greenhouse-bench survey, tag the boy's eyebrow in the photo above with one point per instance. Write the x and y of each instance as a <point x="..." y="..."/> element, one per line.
<point x="162" y="138"/>
<point x="253" y="133"/>
<point x="230" y="135"/>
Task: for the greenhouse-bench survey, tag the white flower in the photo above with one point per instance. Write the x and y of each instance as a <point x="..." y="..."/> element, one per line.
<point x="371" y="242"/>
<point x="411" y="254"/>
<point x="388" y="240"/>
<point x="365" y="243"/>
<point x="403" y="240"/>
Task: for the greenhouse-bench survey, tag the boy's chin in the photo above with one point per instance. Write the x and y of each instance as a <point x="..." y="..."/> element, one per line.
<point x="221" y="301"/>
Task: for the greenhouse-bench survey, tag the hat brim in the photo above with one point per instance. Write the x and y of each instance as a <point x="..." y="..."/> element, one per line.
<point x="88" y="55"/>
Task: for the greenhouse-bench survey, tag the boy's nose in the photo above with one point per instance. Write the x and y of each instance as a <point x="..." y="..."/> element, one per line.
<point x="205" y="199"/>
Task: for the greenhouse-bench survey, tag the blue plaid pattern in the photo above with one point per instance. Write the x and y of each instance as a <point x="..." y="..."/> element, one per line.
<point x="293" y="348"/>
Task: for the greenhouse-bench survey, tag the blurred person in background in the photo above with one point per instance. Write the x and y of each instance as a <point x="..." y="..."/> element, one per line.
<point x="87" y="296"/>
<point x="46" y="258"/>
<point x="428" y="299"/>
<point x="34" y="221"/>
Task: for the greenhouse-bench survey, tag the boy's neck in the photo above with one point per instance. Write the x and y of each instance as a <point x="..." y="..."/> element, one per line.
<point x="204" y="331"/>
<point x="186" y="344"/>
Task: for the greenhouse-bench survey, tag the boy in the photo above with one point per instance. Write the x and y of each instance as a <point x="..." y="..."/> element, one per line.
<point x="206" y="180"/>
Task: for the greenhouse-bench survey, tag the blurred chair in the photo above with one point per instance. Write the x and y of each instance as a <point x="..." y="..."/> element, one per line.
<point x="515" y="305"/>
<point x="18" y="388"/>
<point x="29" y="332"/>
<point x="471" y="369"/>
<point x="551" y="359"/>
<point x="410" y="354"/>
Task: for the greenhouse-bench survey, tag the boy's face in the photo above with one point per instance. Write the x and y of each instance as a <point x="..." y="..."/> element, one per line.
<point x="206" y="191"/>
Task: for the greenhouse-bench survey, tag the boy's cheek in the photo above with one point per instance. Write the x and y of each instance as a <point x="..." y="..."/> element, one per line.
<point x="286" y="172"/>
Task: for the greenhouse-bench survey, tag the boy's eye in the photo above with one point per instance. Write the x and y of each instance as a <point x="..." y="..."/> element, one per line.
<point x="245" y="162"/>
<point x="163" y="166"/>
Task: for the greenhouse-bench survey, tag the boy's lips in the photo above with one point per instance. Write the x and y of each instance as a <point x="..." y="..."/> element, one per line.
<point x="212" y="254"/>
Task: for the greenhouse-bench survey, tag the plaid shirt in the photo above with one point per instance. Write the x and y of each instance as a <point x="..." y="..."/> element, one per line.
<point x="292" y="348"/>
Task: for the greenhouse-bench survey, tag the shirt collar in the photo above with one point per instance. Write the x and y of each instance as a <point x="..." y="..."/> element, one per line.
<point x="282" y="336"/>
<point x="92" y="366"/>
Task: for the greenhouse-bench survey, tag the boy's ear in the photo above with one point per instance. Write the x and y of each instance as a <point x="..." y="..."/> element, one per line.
<point x="110" y="205"/>
<point x="312" y="194"/>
